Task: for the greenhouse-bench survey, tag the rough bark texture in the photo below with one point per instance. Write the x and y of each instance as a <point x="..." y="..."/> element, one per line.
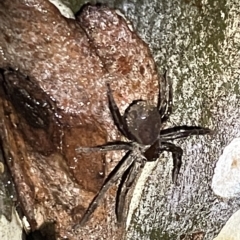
<point x="53" y="99"/>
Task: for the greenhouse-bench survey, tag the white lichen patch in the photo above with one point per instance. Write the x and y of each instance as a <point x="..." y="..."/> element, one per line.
<point x="226" y="178"/>
<point x="231" y="230"/>
<point x="63" y="9"/>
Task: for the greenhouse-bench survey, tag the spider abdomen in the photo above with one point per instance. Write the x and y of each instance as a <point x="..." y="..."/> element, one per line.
<point x="143" y="121"/>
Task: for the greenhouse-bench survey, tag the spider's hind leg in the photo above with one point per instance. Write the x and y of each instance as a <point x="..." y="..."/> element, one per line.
<point x="128" y="178"/>
<point x="177" y="153"/>
<point x="122" y="191"/>
<point x="117" y="173"/>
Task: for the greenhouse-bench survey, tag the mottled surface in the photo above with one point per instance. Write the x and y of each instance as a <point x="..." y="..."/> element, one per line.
<point x="62" y="105"/>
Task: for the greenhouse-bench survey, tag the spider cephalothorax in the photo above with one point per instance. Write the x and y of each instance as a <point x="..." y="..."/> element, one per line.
<point x="142" y="124"/>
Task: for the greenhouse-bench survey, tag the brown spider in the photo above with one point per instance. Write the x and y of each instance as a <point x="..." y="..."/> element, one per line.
<point x="141" y="124"/>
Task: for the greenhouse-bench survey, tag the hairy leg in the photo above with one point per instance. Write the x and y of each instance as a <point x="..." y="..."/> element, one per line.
<point x="122" y="193"/>
<point x="117" y="173"/>
<point x="177" y="153"/>
<point x="126" y="183"/>
<point x="182" y="132"/>
<point x="117" y="117"/>
<point x="152" y="154"/>
<point x="110" y="146"/>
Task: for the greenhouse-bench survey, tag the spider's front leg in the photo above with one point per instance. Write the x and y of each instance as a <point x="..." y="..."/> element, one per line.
<point x="116" y="115"/>
<point x="110" y="146"/>
<point x="183" y="132"/>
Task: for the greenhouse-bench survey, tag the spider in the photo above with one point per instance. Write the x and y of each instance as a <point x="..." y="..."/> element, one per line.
<point x="142" y="125"/>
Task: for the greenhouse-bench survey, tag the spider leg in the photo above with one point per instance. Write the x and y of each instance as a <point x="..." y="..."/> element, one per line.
<point x="110" y="146"/>
<point x="122" y="193"/>
<point x="165" y="102"/>
<point x="182" y="132"/>
<point x="126" y="182"/>
<point x="152" y="154"/>
<point x="117" y="117"/>
<point x="117" y="173"/>
<point x="177" y="153"/>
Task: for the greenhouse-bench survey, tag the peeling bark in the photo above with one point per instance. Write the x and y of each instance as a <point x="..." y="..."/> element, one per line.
<point x="56" y="101"/>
